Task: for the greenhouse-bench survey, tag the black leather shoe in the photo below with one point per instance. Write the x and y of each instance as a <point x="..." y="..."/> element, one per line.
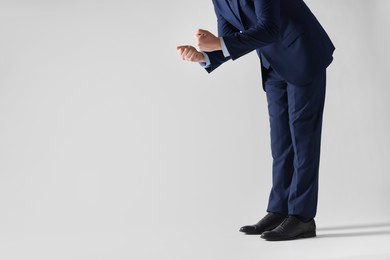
<point x="291" y="228"/>
<point x="269" y="222"/>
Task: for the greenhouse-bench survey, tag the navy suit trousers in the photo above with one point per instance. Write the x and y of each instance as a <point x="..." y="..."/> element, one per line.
<point x="295" y="114"/>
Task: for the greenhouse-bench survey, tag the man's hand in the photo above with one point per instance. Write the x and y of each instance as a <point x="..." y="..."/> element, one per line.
<point x="189" y="53"/>
<point x="207" y="41"/>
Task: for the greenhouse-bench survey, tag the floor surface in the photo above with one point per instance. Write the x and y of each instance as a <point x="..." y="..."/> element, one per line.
<point x="355" y="242"/>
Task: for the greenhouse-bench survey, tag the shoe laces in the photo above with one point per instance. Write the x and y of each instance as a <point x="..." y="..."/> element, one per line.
<point x="284" y="223"/>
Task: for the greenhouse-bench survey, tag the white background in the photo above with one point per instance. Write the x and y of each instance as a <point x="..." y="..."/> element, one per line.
<point x="111" y="147"/>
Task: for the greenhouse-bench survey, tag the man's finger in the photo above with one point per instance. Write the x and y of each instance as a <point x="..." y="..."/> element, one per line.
<point x="183" y="53"/>
<point x="188" y="54"/>
<point x="193" y="55"/>
<point x="186" y="51"/>
<point x="181" y="50"/>
<point x="181" y="47"/>
<point x="201" y="32"/>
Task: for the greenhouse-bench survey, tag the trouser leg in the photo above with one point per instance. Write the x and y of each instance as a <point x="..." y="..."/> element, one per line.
<point x="305" y="108"/>
<point x="281" y="143"/>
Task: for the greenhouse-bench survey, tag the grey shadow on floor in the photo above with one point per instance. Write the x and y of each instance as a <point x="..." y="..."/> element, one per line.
<point x="355" y="230"/>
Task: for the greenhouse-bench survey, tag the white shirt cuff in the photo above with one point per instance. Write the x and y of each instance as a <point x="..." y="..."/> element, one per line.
<point x="207" y="63"/>
<point x="224" y="49"/>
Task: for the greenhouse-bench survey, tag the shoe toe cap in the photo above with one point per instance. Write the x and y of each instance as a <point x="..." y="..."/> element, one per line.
<point x="247" y="228"/>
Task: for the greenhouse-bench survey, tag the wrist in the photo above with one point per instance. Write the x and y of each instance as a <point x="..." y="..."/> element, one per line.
<point x="218" y="44"/>
<point x="202" y="57"/>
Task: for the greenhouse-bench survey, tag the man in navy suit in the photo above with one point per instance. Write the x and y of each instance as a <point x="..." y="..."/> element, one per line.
<point x="294" y="51"/>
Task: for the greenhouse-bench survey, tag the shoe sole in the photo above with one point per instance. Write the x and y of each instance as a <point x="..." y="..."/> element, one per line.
<point x="251" y="233"/>
<point x="303" y="235"/>
<point x="257" y="233"/>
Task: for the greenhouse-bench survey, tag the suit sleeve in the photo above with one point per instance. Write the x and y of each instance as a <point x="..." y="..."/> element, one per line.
<point x="224" y="29"/>
<point x="265" y="32"/>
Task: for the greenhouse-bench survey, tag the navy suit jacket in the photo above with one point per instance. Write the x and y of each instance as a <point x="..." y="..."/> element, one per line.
<point x="285" y="34"/>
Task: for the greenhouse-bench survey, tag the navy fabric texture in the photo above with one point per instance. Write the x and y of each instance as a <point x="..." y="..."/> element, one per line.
<point x="295" y="114"/>
<point x="285" y="34"/>
<point x="294" y="51"/>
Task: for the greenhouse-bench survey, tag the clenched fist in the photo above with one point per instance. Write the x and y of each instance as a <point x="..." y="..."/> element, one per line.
<point x="207" y="41"/>
<point x="189" y="53"/>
